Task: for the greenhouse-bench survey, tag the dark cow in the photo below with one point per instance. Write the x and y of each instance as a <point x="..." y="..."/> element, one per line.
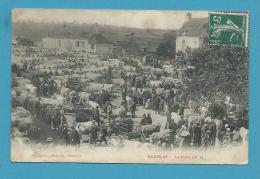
<point x="149" y="129"/>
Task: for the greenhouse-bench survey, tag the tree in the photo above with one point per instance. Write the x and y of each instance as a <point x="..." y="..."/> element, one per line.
<point x="219" y="72"/>
<point x="164" y="49"/>
<point x="167" y="47"/>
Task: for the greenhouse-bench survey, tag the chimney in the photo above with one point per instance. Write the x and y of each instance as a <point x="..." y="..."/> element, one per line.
<point x="96" y="31"/>
<point x="188" y="16"/>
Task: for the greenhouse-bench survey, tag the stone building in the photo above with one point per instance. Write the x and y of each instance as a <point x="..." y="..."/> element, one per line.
<point x="193" y="33"/>
<point x="96" y="43"/>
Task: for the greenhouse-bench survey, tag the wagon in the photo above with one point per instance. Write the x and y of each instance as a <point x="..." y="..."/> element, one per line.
<point x="75" y="83"/>
<point x="127" y="128"/>
<point x="83" y="113"/>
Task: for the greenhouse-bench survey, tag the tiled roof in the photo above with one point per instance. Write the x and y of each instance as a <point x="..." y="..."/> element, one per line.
<point x="194" y="27"/>
<point x="98" y="39"/>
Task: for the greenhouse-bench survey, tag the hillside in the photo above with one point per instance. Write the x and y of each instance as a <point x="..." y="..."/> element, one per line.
<point x="145" y="38"/>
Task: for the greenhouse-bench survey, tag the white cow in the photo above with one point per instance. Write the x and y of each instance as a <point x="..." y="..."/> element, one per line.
<point x="244" y="134"/>
<point x="84" y="97"/>
<point x="93" y="104"/>
<point x="65" y="92"/>
<point x="83" y="128"/>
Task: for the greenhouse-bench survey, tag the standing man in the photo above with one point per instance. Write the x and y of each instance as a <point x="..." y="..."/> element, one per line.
<point x="74" y="137"/>
<point x="181" y="108"/>
<point x="65" y="135"/>
<point x="109" y="110"/>
<point x="124" y="91"/>
<point x="103" y="132"/>
<point x="96" y="115"/>
<point x="144" y="120"/>
<point x="204" y="135"/>
<point x="170" y="123"/>
<point x="122" y="111"/>
<point x="149" y="119"/>
<point x="157" y="104"/>
<point x="133" y="108"/>
<point x="196" y="134"/>
<point x="93" y="133"/>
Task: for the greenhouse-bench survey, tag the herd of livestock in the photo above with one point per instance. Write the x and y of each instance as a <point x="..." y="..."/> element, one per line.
<point x="75" y="100"/>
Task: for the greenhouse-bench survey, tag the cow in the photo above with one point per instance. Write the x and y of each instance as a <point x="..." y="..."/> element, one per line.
<point x="84" y="97"/>
<point x="244" y="134"/>
<point x="149" y="129"/>
<point x="19" y="100"/>
<point x="93" y="104"/>
<point x="83" y="128"/>
<point x="60" y="99"/>
<point x="32" y="89"/>
<point x="65" y="92"/>
<point x="164" y="136"/>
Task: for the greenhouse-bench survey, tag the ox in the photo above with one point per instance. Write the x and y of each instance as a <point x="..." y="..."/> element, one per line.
<point x="149" y="129"/>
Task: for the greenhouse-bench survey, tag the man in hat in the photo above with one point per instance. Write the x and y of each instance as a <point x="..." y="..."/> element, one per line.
<point x="103" y="132"/>
<point x="109" y="110"/>
<point x="181" y="108"/>
<point x="93" y="133"/>
<point x="204" y="137"/>
<point x="124" y="90"/>
<point x="157" y="103"/>
<point x="149" y="119"/>
<point x="74" y="137"/>
<point x="133" y="108"/>
<point x="122" y="111"/>
<point x="96" y="115"/>
<point x="170" y="123"/>
<point x="144" y="120"/>
<point x="227" y="135"/>
<point x="65" y="135"/>
<point x="196" y="134"/>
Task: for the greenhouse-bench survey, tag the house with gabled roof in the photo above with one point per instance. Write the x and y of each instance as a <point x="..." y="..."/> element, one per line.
<point x="100" y="45"/>
<point x="193" y="34"/>
<point x="95" y="43"/>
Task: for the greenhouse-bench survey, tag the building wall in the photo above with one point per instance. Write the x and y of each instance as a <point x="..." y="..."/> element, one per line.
<point x="182" y="42"/>
<point x="118" y="51"/>
<point x="104" y="48"/>
<point x="66" y="44"/>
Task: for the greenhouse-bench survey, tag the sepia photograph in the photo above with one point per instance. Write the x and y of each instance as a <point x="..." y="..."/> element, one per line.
<point x="129" y="86"/>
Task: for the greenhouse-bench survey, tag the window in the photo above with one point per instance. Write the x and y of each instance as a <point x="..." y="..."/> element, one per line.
<point x="77" y="44"/>
<point x="59" y="43"/>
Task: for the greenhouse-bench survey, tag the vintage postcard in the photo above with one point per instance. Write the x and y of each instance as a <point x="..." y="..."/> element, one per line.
<point x="129" y="86"/>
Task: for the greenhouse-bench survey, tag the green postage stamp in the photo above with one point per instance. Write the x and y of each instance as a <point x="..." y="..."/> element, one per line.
<point x="228" y="29"/>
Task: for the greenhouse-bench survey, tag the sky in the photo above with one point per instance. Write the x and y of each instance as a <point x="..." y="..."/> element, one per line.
<point x="145" y="19"/>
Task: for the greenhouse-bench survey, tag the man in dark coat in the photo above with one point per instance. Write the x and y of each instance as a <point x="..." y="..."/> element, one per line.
<point x="65" y="135"/>
<point x="96" y="115"/>
<point x="212" y="133"/>
<point x="74" y="137"/>
<point x="149" y="119"/>
<point x="93" y="134"/>
<point x="103" y="132"/>
<point x="124" y="91"/>
<point x="196" y="134"/>
<point x="170" y="124"/>
<point x="204" y="135"/>
<point x="133" y="108"/>
<point x="181" y="108"/>
<point x="157" y="103"/>
<point x="144" y="120"/>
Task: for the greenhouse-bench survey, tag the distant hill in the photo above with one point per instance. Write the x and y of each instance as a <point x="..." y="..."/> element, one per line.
<point x="145" y="38"/>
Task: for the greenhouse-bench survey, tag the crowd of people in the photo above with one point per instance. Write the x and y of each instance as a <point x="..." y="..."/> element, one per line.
<point x="189" y="123"/>
<point x="208" y="124"/>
